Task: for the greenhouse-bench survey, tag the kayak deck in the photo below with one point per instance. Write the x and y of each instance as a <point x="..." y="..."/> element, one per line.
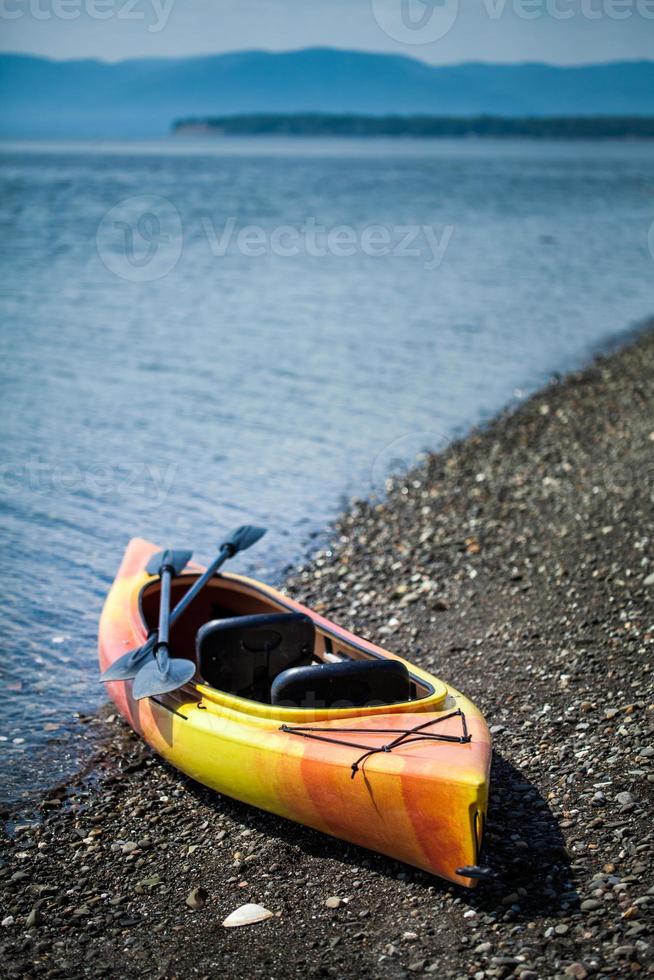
<point x="408" y="779"/>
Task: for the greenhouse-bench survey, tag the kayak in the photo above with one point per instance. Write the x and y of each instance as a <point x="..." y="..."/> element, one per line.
<point x="291" y="713"/>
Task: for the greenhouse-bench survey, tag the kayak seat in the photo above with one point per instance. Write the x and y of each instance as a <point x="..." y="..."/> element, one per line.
<point x="244" y="654"/>
<point x="348" y="684"/>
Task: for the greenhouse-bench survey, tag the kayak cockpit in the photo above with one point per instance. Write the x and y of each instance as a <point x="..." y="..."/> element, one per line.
<point x="271" y="658"/>
<point x="271" y="651"/>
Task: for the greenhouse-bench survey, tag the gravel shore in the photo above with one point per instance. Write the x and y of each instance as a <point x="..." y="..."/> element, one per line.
<point x="518" y="565"/>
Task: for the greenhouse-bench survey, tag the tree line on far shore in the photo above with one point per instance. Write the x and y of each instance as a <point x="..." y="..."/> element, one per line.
<point x="328" y="124"/>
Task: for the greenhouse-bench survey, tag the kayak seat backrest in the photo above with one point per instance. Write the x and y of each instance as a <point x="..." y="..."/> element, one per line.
<point x="348" y="684"/>
<point x="244" y="654"/>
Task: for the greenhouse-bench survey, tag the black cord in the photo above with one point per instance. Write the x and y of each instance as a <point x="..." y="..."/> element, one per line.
<point x="404" y="736"/>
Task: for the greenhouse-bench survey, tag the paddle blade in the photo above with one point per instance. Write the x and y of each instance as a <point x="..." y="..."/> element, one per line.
<point x="151" y="680"/>
<point x="243" y="537"/>
<point x="128" y="665"/>
<point x="177" y="560"/>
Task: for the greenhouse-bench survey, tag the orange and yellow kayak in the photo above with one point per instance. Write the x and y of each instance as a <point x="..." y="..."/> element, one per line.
<point x="407" y="779"/>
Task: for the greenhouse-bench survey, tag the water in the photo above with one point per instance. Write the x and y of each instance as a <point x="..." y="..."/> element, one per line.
<point x="154" y="386"/>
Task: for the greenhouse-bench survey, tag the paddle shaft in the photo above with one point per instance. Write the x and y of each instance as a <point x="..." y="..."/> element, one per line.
<point x="161" y="647"/>
<point x="199" y="584"/>
<point x="164" y="607"/>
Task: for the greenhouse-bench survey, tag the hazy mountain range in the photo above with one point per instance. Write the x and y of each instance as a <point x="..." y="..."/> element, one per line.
<point x="143" y="97"/>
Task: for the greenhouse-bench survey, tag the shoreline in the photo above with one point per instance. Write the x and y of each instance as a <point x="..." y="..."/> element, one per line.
<point x="499" y="551"/>
<point x="319" y="539"/>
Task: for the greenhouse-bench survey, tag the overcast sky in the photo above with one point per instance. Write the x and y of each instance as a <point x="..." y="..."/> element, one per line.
<point x="438" y="31"/>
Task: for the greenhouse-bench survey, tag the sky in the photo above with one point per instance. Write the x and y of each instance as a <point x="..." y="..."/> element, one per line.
<point x="436" y="31"/>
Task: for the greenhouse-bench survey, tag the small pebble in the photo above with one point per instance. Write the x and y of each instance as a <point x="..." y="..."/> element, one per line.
<point x="197" y="898"/>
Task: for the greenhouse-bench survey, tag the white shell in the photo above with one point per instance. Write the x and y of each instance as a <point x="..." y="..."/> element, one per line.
<point x="247" y="915"/>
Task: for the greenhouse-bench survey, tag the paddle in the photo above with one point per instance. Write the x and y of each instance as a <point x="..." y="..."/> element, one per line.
<point x="163" y="674"/>
<point x="130" y="663"/>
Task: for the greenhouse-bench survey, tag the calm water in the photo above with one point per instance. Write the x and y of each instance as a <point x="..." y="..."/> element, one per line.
<point x="168" y="372"/>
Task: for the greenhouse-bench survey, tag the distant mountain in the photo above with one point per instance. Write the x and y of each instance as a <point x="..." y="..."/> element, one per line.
<point x="39" y="97"/>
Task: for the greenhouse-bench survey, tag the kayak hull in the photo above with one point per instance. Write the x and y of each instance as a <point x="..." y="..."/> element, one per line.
<point x="423" y="803"/>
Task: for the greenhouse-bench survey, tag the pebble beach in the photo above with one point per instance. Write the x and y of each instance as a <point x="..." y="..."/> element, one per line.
<point x="518" y="565"/>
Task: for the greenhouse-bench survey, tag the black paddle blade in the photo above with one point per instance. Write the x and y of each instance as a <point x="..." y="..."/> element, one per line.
<point x="128" y="665"/>
<point x="177" y="560"/>
<point x="151" y="680"/>
<point x="243" y="537"/>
